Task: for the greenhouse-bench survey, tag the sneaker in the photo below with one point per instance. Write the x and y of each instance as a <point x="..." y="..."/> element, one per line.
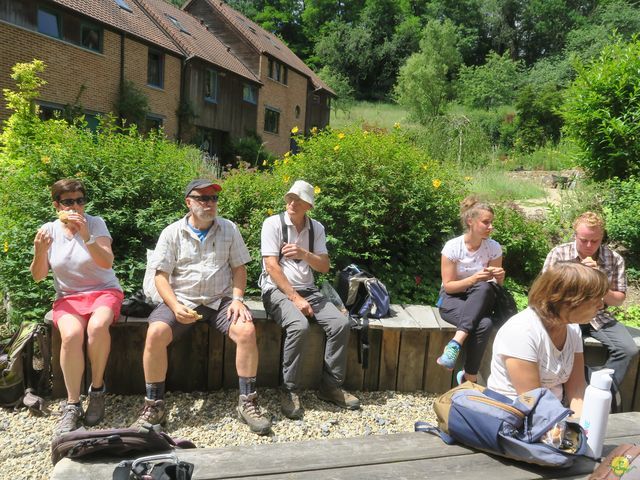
<point x="249" y="412"/>
<point x="460" y="377"/>
<point x="70" y="419"/>
<point x="339" y="397"/>
<point x="450" y="355"/>
<point x="95" y="409"/>
<point x="153" y="413"/>
<point x="290" y="404"/>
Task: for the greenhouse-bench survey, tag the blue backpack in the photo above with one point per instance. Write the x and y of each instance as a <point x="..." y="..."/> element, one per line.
<point x="477" y="417"/>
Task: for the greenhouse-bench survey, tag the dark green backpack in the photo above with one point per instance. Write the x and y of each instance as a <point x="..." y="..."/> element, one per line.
<point x="21" y="381"/>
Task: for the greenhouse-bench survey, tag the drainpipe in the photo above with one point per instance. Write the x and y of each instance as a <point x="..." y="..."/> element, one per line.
<point x="122" y="38"/>
<point x="183" y="91"/>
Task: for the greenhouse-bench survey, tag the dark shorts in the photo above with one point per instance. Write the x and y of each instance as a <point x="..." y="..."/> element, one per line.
<point x="215" y="318"/>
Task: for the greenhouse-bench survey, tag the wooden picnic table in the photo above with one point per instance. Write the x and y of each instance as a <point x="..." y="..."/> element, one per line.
<point x="398" y="456"/>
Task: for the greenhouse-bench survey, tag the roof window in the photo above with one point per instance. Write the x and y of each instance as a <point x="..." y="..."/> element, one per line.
<point x="123" y="5"/>
<point x="177" y="24"/>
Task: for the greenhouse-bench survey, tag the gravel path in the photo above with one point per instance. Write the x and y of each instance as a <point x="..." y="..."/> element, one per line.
<point x="208" y="419"/>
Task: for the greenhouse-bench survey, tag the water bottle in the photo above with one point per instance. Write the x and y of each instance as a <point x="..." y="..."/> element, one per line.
<point x="595" y="411"/>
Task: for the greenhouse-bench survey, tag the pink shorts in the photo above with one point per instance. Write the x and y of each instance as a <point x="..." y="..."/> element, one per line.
<point x="84" y="304"/>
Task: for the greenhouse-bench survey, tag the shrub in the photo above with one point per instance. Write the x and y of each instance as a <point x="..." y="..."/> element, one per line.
<point x="538" y="120"/>
<point x="135" y="183"/>
<point x="620" y="207"/>
<point x="384" y="203"/>
<point x="251" y="150"/>
<point x="602" y="109"/>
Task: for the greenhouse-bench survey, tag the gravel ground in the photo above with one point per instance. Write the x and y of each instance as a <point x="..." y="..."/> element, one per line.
<point x="208" y="419"/>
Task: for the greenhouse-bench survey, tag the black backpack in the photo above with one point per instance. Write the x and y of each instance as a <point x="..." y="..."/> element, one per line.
<point x="20" y="381"/>
<point x="117" y="441"/>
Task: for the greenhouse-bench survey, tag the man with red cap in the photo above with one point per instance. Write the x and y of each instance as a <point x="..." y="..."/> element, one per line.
<point x="200" y="274"/>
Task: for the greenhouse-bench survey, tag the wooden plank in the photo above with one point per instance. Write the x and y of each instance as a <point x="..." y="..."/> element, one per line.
<point x="257" y="309"/>
<point x="124" y="374"/>
<point x="389" y="359"/>
<point x="215" y="354"/>
<point x="372" y="374"/>
<point x="437" y="379"/>
<point x="313" y="358"/>
<point x="413" y="345"/>
<point x="229" y="371"/>
<point x="188" y="360"/>
<point x="269" y="338"/>
<point x="444" y="325"/>
<point x="398" y="318"/>
<point x="355" y="374"/>
<point x="58" y="390"/>
<point x="423" y="316"/>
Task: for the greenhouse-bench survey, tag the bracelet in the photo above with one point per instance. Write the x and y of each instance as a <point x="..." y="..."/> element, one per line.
<point x="239" y="298"/>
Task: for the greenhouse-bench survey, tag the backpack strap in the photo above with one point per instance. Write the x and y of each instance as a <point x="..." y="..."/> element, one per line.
<point x="430" y="428"/>
<point x="285" y="234"/>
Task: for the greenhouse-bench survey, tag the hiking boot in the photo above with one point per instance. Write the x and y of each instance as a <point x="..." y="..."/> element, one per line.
<point x="339" y="397"/>
<point x="290" y="404"/>
<point x="450" y="355"/>
<point x="95" y="409"/>
<point x="153" y="413"/>
<point x="69" y="420"/>
<point x="249" y="412"/>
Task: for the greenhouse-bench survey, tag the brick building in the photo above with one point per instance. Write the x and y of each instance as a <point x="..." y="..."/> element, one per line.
<point x="205" y="78"/>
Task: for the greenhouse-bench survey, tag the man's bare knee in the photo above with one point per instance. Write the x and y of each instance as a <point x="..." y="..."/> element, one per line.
<point x="158" y="336"/>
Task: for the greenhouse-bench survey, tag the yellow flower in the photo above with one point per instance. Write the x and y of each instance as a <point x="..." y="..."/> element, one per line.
<point x="341" y="135"/>
<point x="336" y="148"/>
<point x="285" y="161"/>
<point x="264" y="163"/>
<point x="316" y="190"/>
<point x="276" y="162"/>
<point x="6" y="246"/>
<point x="396" y="125"/>
<point x="270" y="211"/>
<point x="424" y="166"/>
<point x="365" y="133"/>
<point x="294" y="130"/>
<point x="287" y="154"/>
<point x="45" y="159"/>
<point x="286" y="179"/>
<point x="468" y="179"/>
<point x="436" y="183"/>
<point x="314" y="130"/>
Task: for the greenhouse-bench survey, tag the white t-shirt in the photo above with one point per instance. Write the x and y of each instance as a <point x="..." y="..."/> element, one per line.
<point x="468" y="263"/>
<point x="74" y="270"/>
<point x="523" y="336"/>
<point x="299" y="274"/>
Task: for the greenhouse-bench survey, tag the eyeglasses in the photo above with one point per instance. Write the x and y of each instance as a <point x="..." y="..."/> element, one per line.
<point x="69" y="202"/>
<point x="204" y="198"/>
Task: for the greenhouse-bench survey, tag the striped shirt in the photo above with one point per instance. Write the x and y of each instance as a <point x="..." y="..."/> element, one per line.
<point x="200" y="272"/>
<point x="609" y="262"/>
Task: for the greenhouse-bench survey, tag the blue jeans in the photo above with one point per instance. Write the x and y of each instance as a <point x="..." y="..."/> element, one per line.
<point x="620" y="345"/>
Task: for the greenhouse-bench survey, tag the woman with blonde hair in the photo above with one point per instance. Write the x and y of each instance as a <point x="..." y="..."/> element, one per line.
<point x="471" y="269"/>
<point x="542" y="345"/>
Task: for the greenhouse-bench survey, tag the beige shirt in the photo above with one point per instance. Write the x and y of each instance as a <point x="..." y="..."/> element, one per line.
<point x="200" y="272"/>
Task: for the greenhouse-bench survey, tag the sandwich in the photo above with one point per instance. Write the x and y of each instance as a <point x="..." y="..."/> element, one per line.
<point x="63" y="215"/>
<point x="195" y="314"/>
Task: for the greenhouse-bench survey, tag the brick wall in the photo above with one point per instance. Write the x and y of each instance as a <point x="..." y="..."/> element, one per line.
<point x="69" y="67"/>
<point x="284" y="98"/>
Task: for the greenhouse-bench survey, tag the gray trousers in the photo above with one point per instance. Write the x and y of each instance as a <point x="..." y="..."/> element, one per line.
<point x="620" y="345"/>
<point x="335" y="325"/>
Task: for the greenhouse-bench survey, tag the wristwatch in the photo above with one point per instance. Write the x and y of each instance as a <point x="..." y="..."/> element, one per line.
<point x="239" y="298"/>
<point x="91" y="240"/>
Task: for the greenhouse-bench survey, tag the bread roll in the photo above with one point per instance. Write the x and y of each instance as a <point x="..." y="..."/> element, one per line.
<point x="63" y="216"/>
<point x="195" y="314"/>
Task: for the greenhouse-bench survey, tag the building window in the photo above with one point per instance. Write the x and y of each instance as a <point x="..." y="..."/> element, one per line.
<point x="48" y="23"/>
<point x="155" y="68"/>
<point x="250" y="93"/>
<point x="91" y="37"/>
<point x="271" y="120"/>
<point x="49" y="112"/>
<point x="277" y="71"/>
<point x="211" y="86"/>
<point x="152" y="122"/>
<point x="297" y="110"/>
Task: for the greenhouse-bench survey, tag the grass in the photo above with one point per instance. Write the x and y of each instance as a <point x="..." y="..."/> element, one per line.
<point x="376" y="114"/>
<point x="497" y="186"/>
<point x="549" y="157"/>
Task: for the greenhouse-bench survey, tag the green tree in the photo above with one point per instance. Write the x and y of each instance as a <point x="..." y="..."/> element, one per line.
<point x="424" y="81"/>
<point x="340" y="84"/>
<point x="602" y="111"/>
<point x="490" y="85"/>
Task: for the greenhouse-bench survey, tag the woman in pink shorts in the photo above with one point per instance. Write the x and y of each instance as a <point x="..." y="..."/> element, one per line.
<point x="77" y="249"/>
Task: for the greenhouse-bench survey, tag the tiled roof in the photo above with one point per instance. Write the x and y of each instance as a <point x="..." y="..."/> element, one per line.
<point x="266" y="42"/>
<point x="194" y="38"/>
<point x="136" y="23"/>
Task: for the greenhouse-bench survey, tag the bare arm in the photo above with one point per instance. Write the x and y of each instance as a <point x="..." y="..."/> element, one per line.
<point x="450" y="278"/>
<point x="524" y="374"/>
<point x="496" y="270"/>
<point x="272" y="265"/>
<point x="320" y="263"/>
<point x="182" y="313"/>
<point x="238" y="310"/>
<point x="576" y="384"/>
<point x="100" y="250"/>
<point x="40" y="264"/>
<point x="614" y="298"/>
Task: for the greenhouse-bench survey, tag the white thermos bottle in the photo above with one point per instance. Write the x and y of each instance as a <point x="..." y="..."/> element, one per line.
<point x="595" y="411"/>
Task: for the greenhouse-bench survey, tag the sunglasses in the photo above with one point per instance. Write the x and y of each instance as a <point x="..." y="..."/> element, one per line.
<point x="69" y="202"/>
<point x="204" y="198"/>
